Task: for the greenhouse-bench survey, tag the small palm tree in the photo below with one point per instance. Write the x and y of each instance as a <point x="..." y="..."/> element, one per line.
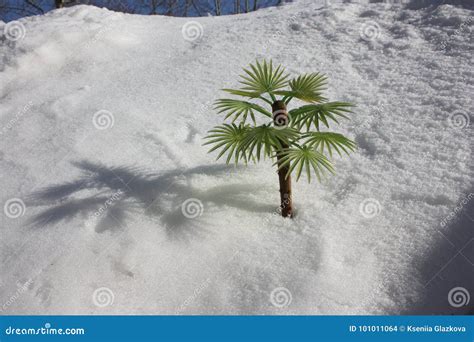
<point x="293" y="139"/>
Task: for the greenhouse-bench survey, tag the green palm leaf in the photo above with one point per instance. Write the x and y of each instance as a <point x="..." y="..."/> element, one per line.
<point x="304" y="157"/>
<point x="316" y="113"/>
<point x="229" y="138"/>
<point x="237" y="108"/>
<point x="329" y="141"/>
<point x="306" y="87"/>
<point x="243" y="93"/>
<point x="266" y="139"/>
<point x="261" y="78"/>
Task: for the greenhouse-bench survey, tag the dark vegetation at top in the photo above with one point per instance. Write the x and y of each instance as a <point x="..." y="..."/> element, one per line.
<point x="14" y="9"/>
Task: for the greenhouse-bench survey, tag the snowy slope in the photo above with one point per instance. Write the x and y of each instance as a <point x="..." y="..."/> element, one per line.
<point x="102" y="117"/>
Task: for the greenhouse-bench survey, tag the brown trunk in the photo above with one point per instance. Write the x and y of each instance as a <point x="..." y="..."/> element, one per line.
<point x="280" y="118"/>
<point x="59" y="3"/>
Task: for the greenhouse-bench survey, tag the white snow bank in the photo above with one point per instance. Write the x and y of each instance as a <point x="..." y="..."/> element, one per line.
<point x="101" y="122"/>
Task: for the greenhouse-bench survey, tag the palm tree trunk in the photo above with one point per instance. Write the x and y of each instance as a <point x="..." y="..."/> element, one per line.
<point x="280" y="118"/>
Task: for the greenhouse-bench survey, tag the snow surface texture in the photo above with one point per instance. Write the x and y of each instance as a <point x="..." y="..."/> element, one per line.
<point x="102" y="117"/>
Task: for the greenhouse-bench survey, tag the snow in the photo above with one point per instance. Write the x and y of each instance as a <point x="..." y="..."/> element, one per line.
<point x="102" y="120"/>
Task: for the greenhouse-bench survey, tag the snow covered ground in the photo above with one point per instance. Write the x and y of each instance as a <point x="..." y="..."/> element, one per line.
<point x="102" y="117"/>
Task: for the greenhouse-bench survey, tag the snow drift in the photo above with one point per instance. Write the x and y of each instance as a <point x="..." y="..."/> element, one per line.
<point x="112" y="206"/>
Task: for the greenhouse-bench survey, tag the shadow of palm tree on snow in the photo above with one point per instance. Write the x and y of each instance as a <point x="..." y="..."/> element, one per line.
<point x="449" y="266"/>
<point x="111" y="196"/>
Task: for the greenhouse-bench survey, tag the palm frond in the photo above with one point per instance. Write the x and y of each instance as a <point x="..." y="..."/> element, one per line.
<point x="306" y="87"/>
<point x="237" y="108"/>
<point x="262" y="78"/>
<point x="316" y="113"/>
<point x="328" y="141"/>
<point x="229" y="138"/>
<point x="304" y="157"/>
<point x="265" y="139"/>
<point x="239" y="92"/>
